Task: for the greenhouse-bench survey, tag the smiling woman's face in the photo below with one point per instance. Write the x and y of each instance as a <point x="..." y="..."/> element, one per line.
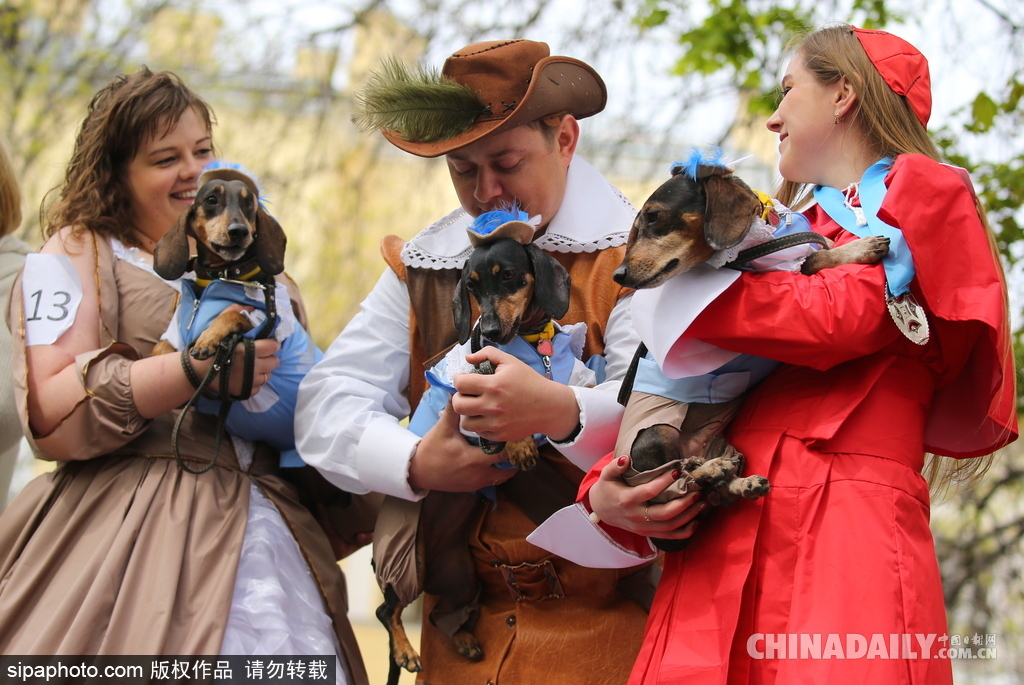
<point x="805" y="122"/>
<point x="162" y="177"/>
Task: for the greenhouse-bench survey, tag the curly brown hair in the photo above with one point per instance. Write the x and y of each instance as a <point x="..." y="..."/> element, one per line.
<point x="130" y="110"/>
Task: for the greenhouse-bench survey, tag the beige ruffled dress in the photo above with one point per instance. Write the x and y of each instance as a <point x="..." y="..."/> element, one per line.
<point x="120" y="551"/>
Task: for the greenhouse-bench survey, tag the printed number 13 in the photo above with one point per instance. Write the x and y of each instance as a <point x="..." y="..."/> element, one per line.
<point x="60" y="306"/>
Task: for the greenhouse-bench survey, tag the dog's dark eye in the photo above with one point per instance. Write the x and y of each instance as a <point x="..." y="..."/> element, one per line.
<point x="471" y="286"/>
<point x="508" y="274"/>
<point x="210" y="200"/>
<point x="653" y="216"/>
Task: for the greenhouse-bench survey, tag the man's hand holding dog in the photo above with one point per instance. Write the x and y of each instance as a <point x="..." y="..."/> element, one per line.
<point x="628" y="508"/>
<point x="514" y="402"/>
<point x="444" y="460"/>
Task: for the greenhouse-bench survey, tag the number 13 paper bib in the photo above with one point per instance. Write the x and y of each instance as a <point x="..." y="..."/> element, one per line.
<point x="52" y="291"/>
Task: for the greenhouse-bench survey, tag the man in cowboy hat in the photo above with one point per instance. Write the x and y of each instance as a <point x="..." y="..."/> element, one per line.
<point x="504" y="114"/>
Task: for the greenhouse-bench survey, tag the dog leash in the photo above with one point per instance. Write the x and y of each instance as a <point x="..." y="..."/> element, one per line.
<point x="222" y="362"/>
<point x="487" y="368"/>
<point x="775" y="245"/>
<point x="627" y="381"/>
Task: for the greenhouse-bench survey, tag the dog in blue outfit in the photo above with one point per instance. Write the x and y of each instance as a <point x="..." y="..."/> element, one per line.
<point x="240" y="249"/>
<point x="519" y="291"/>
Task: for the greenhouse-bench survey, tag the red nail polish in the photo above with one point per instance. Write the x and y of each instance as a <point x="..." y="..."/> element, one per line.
<point x="676" y="474"/>
<point x="621" y="461"/>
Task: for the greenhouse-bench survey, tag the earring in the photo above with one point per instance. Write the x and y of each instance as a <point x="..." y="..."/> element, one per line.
<point x="837" y="119"/>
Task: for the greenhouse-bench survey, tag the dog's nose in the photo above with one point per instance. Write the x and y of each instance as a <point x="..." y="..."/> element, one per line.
<point x="621" y="274"/>
<point x="237" y="232"/>
<point x="490" y="325"/>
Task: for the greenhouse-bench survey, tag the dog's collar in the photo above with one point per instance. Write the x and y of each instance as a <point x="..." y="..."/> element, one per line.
<point x="545" y="348"/>
<point x="241" y="271"/>
<point x="547" y="333"/>
<point x="769" y="214"/>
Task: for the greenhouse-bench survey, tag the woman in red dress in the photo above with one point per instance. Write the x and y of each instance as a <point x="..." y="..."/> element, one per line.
<point x="832" y="577"/>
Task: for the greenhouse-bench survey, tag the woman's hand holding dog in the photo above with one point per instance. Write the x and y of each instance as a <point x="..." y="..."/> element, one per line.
<point x="444" y="460"/>
<point x="628" y="508"/>
<point x="159" y="384"/>
<point x="515" y="402"/>
<point x="264" y="363"/>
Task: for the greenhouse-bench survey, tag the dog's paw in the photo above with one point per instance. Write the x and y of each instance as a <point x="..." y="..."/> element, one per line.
<point x="485" y="367"/>
<point x="869" y="250"/>
<point x="205" y="346"/>
<point x="713" y="471"/>
<point x="466" y="645"/>
<point x="751" y="487"/>
<point x="522" y="453"/>
<point x="201" y="353"/>
<point x="758" y="486"/>
<point x="409" y="660"/>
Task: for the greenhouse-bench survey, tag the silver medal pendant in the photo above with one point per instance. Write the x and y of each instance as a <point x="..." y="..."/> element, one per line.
<point x="909" y="317"/>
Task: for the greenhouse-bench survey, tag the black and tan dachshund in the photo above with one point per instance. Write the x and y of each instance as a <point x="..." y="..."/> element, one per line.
<point x="518" y="289"/>
<point x="682" y="224"/>
<point x="235" y="238"/>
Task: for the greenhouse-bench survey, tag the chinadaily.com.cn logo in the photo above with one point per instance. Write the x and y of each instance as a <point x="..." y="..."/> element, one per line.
<point x="874" y="646"/>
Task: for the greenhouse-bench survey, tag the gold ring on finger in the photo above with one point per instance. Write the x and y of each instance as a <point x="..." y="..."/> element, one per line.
<point x="647" y="516"/>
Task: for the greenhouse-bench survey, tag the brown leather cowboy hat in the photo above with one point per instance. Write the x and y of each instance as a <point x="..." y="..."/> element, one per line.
<point x="518" y="82"/>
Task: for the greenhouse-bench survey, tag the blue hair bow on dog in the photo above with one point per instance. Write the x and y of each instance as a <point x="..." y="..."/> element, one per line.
<point x="712" y="156"/>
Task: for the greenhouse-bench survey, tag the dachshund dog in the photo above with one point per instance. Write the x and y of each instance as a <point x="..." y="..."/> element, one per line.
<point x="240" y="249"/>
<point x="235" y="239"/>
<point x="684" y="222"/>
<point x="519" y="289"/>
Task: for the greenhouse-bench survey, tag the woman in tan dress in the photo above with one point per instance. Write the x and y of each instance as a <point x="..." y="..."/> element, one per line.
<point x="120" y="550"/>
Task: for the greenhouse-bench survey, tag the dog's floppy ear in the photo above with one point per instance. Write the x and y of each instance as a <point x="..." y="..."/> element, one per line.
<point x="460" y="305"/>
<point x="551" y="282"/>
<point x="171" y="254"/>
<point x="731" y="207"/>
<point x="270" y="243"/>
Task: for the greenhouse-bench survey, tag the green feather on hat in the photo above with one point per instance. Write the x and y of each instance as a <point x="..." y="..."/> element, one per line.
<point x="418" y="103"/>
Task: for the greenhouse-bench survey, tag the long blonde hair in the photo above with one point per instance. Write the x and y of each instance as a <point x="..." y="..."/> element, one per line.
<point x="891" y="129"/>
<point x="10" y="195"/>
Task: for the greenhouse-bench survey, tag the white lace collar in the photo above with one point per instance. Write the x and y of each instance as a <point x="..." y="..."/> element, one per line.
<point x="594" y="215"/>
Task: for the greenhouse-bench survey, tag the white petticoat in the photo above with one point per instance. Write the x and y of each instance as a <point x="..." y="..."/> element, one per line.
<point x="276" y="608"/>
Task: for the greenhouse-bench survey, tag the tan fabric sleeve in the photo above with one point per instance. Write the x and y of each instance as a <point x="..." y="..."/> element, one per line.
<point x="106" y="418"/>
